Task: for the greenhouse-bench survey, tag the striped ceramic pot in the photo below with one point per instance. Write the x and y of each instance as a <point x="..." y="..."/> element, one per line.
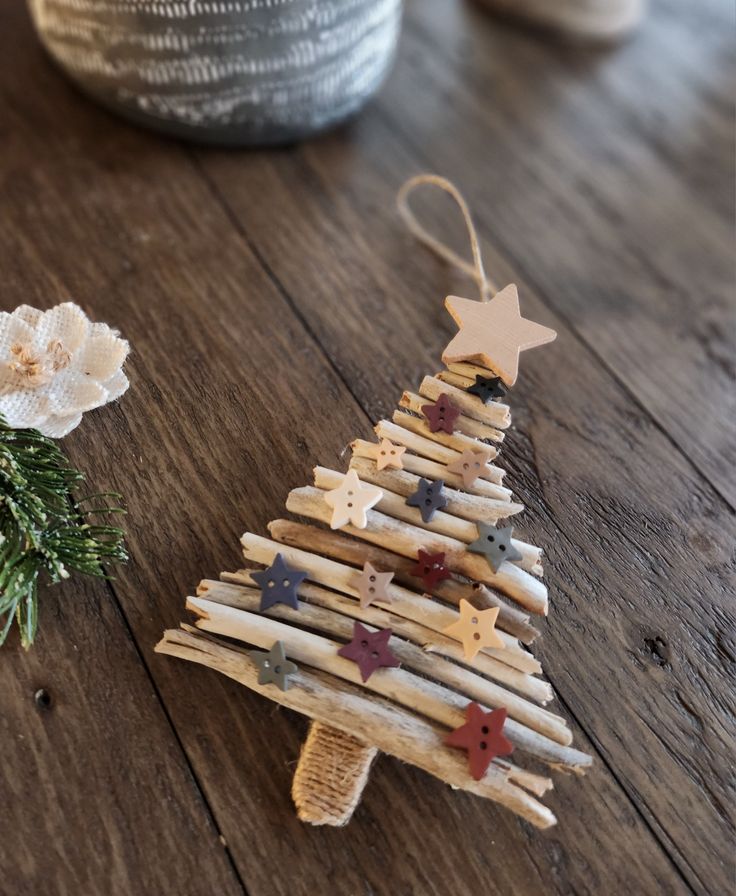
<point x="224" y="71"/>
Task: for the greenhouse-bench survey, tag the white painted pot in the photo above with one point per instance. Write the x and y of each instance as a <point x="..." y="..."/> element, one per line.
<point x="224" y="71"/>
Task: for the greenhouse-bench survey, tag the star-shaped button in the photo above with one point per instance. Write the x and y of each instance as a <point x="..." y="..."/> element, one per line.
<point x="475" y="628"/>
<point x="273" y="667"/>
<point x="369" y="650"/>
<point x="495" y="544"/>
<point x="482" y="737"/>
<point x="430" y="568"/>
<point x="279" y="583"/>
<point x="372" y="585"/>
<point x="442" y="414"/>
<point x="351" y="501"/>
<point x="470" y="465"/>
<point x="487" y="388"/>
<point x="386" y="454"/>
<point x="429" y="498"/>
<point x="493" y="333"/>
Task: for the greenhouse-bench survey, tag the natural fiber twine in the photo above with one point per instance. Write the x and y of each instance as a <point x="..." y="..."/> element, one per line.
<point x="332" y="772"/>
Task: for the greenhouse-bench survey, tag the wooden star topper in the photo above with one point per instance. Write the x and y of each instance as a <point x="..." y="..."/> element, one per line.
<point x="481" y="736"/>
<point x="475" y="628"/>
<point x="386" y="454"/>
<point x="493" y="333"/>
<point x="351" y="501"/>
<point x="372" y="585"/>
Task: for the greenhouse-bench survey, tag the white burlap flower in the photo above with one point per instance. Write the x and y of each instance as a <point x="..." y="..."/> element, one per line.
<point x="55" y="365"/>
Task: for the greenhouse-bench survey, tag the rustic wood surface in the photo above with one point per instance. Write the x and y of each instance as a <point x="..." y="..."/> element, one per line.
<point x="277" y="307"/>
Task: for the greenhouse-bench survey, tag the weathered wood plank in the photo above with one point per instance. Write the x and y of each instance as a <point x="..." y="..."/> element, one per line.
<point x="616" y="200"/>
<point x="612" y="485"/>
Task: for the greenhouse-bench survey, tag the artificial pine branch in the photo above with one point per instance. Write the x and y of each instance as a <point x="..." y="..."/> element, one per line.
<point x="44" y="527"/>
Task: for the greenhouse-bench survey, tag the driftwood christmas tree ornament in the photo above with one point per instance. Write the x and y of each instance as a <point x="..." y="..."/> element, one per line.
<point x="398" y="618"/>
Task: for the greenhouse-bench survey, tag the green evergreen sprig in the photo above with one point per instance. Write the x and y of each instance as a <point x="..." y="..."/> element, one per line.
<point x="44" y="527"/>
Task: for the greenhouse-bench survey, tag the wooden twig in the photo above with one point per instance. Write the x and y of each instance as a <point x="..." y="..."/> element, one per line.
<point x="430" y="469"/>
<point x="459" y="503"/>
<point x="413" y="432"/>
<point x="390" y="728"/>
<point x="454" y="379"/>
<point x="465" y="425"/>
<point x="422" y="696"/>
<point x="333" y="614"/>
<point x="350" y="550"/>
<point x="430" y="613"/>
<point x="493" y="414"/>
<point x="443" y="523"/>
<point x="406" y="539"/>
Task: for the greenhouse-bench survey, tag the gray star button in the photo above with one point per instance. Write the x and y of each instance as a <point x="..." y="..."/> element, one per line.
<point x="495" y="545"/>
<point x="273" y="667"/>
<point x="429" y="498"/>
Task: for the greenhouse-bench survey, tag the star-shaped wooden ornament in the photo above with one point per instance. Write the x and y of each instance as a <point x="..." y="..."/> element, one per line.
<point x="495" y="543"/>
<point x="430" y="568"/>
<point x="273" y="666"/>
<point x="351" y="501"/>
<point x="372" y="585"/>
<point x="442" y="414"/>
<point x="481" y="736"/>
<point x="369" y="650"/>
<point x="386" y="454"/>
<point x="475" y="628"/>
<point x="429" y="498"/>
<point x="470" y="465"/>
<point x="493" y="333"/>
<point x="279" y="583"/>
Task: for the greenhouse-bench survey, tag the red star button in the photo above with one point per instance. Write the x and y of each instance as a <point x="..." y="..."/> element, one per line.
<point x="442" y="414"/>
<point x="430" y="568"/>
<point x="481" y="737"/>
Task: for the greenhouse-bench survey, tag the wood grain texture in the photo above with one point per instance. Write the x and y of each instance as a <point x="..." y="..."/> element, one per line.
<point x="276" y="309"/>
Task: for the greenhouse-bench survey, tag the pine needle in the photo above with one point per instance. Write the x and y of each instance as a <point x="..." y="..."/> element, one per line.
<point x="43" y="528"/>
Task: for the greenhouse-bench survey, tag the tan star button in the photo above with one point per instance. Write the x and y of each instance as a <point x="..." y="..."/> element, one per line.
<point x="372" y="585"/>
<point x="475" y="628"/>
<point x="493" y="333"/>
<point x="351" y="501"/>
<point x="470" y="465"/>
<point x="387" y="455"/>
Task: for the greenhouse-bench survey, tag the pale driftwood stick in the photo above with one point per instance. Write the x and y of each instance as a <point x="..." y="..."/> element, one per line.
<point x="493" y="414"/>
<point x="350" y="550"/>
<point x="430" y="613"/>
<point x="459" y="503"/>
<point x="443" y="523"/>
<point x="454" y="379"/>
<point x="334" y="615"/>
<point x="406" y="539"/>
<point x="413" y="433"/>
<point x="418" y="694"/>
<point x="430" y="469"/>
<point x="372" y="720"/>
<point x="527" y="685"/>
<point x="471" y="371"/>
<point x="428" y="446"/>
<point x="465" y="425"/>
<point x="330" y="776"/>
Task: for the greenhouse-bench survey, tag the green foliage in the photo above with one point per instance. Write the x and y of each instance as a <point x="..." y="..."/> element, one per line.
<point x="43" y="527"/>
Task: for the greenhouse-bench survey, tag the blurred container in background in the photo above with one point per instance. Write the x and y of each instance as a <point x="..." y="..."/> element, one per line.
<point x="234" y="72"/>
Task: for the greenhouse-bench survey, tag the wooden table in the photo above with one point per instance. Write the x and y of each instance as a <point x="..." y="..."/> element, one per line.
<point x="277" y="307"/>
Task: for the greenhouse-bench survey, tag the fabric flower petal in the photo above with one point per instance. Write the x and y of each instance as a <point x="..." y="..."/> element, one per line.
<point x="30" y="315"/>
<point x="116" y="385"/>
<point x="68" y="395"/>
<point x="24" y="409"/>
<point x="13" y="330"/>
<point x="58" y="426"/>
<point x="102" y="355"/>
<point x="66" y="323"/>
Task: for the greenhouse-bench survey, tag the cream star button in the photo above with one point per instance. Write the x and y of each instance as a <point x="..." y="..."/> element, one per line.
<point x="475" y="628"/>
<point x="351" y="501"/>
<point x="493" y="333"/>
<point x="470" y="465"/>
<point x="387" y="455"/>
<point x="372" y="585"/>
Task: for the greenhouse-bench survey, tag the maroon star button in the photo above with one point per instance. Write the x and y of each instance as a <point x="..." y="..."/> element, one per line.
<point x="430" y="568"/>
<point x="442" y="414"/>
<point x="369" y="650"/>
<point x="481" y="737"/>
